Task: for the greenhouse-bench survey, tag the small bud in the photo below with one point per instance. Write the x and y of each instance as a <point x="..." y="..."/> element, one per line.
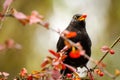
<point x="10" y="43"/>
<point x="46" y="25"/>
<point x="105" y="48"/>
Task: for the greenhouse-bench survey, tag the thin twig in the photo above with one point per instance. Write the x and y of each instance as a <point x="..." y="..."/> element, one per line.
<point x="114" y="43"/>
<point x="109" y="74"/>
<point x="5" y="14"/>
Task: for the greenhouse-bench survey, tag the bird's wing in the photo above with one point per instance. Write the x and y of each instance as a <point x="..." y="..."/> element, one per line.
<point x="60" y="44"/>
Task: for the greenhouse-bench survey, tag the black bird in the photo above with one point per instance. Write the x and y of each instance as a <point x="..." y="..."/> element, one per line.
<point x="76" y="25"/>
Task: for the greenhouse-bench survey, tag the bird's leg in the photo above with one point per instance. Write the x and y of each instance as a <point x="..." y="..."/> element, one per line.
<point x="89" y="73"/>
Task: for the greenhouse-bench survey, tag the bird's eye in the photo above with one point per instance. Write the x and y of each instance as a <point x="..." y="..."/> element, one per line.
<point x="75" y="17"/>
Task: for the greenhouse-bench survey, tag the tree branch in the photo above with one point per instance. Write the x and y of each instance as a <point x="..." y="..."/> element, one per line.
<point x="114" y="43"/>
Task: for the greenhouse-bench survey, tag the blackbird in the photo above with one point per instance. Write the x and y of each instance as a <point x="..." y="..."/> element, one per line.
<point x="77" y="25"/>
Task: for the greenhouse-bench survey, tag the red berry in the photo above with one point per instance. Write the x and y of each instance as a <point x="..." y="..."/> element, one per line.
<point x="69" y="75"/>
<point x="30" y="77"/>
<point x="112" y="51"/>
<point x="75" y="54"/>
<point x="101" y="74"/>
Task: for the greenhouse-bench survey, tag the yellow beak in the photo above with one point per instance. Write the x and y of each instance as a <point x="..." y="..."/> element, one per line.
<point x="81" y="18"/>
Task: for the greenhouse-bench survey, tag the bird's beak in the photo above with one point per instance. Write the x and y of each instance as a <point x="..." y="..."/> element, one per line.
<point x="82" y="18"/>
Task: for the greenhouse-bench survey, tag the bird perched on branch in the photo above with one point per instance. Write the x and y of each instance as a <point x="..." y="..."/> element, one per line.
<point x="77" y="25"/>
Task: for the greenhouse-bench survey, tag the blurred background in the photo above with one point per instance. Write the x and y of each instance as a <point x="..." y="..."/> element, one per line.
<point x="102" y="24"/>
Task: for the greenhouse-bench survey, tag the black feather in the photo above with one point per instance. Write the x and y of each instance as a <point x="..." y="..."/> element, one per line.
<point x="82" y="37"/>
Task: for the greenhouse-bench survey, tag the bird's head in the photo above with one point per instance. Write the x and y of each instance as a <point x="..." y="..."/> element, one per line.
<point x="79" y="20"/>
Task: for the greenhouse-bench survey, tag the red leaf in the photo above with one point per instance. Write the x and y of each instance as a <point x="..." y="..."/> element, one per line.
<point x="71" y="35"/>
<point x="20" y="16"/>
<point x="45" y="62"/>
<point x="6" y="4"/>
<point x="63" y="66"/>
<point x="35" y="13"/>
<point x="63" y="57"/>
<point x="54" y="53"/>
<point x="35" y="17"/>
